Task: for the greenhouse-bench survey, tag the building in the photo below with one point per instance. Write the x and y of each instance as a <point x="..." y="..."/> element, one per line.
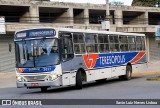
<point x="23" y="14"/>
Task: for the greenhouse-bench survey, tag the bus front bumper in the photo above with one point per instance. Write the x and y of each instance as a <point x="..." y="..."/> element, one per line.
<point x="39" y="84"/>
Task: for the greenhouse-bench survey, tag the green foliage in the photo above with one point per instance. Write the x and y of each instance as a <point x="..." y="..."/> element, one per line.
<point x="146" y="3"/>
<point x="116" y="3"/>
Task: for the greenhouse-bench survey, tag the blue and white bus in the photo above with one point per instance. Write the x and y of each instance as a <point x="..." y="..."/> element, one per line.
<point x="48" y="57"/>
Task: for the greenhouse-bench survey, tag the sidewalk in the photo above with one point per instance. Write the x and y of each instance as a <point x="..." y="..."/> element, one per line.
<point x="154" y="66"/>
<point x="8" y="79"/>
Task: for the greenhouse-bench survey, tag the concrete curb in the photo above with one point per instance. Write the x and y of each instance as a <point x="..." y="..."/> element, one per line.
<point x="157" y="78"/>
<point x="146" y="73"/>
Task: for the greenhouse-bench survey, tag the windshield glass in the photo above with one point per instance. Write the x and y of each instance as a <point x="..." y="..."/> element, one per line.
<point x="37" y="53"/>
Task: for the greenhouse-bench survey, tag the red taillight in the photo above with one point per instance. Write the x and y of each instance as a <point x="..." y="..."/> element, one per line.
<point x="20" y="70"/>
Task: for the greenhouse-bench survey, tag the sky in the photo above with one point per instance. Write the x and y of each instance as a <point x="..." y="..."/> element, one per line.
<point x="126" y="2"/>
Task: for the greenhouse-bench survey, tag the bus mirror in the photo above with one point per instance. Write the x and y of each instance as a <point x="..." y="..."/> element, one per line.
<point x="10" y="47"/>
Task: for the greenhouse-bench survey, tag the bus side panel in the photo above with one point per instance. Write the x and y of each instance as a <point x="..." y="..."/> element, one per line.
<point x="69" y="79"/>
<point x="70" y="68"/>
<point x="104" y="73"/>
<point x="139" y="68"/>
<point x="135" y="68"/>
<point x="118" y="71"/>
<point x="72" y="79"/>
<point x="91" y="75"/>
<point x="65" y="79"/>
<point x="73" y="64"/>
<point x="142" y="67"/>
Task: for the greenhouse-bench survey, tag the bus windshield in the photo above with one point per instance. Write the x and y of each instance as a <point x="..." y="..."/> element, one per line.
<point x="37" y="53"/>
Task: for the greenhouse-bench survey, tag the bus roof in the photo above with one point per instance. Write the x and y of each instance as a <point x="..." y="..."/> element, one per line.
<point x="97" y="31"/>
<point x="85" y="31"/>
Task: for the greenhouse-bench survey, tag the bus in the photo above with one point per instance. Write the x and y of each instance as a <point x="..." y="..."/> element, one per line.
<point x="49" y="57"/>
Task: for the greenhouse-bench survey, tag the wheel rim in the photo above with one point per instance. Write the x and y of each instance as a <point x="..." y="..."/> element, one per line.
<point x="129" y="73"/>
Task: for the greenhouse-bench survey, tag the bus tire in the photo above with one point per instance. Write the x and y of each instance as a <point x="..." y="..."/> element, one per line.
<point x="43" y="89"/>
<point x="128" y="75"/>
<point x="79" y="80"/>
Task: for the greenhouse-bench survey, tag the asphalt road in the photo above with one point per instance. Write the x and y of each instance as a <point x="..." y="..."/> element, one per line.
<point x="137" y="88"/>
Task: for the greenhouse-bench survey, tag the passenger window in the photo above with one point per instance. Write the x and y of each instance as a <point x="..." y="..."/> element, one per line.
<point x="91" y="43"/>
<point x="138" y="43"/>
<point x="79" y="45"/>
<point x="131" y="43"/>
<point x="114" y="43"/>
<point x="143" y="43"/>
<point x="103" y="43"/>
<point x="123" y="43"/>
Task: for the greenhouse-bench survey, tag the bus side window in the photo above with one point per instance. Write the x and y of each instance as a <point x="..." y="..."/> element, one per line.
<point x="138" y="43"/>
<point x="143" y="43"/>
<point x="67" y="47"/>
<point x="132" y="43"/>
<point x="114" y="43"/>
<point x="91" y="43"/>
<point x="123" y="43"/>
<point x="103" y="43"/>
<point x="79" y="45"/>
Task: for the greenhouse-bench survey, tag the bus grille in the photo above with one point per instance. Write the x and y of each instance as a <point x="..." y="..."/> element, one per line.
<point x="35" y="78"/>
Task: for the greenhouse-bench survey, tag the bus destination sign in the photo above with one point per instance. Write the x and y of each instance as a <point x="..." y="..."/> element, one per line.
<point x="33" y="33"/>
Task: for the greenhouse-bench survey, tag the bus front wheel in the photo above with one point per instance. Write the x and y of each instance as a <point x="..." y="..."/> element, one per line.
<point x="79" y="80"/>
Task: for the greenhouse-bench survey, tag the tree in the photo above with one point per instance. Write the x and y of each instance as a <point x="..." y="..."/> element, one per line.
<point x="146" y="3"/>
<point x="117" y="3"/>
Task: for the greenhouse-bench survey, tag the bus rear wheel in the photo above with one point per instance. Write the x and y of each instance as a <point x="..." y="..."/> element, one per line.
<point x="43" y="89"/>
<point x="79" y="80"/>
<point x="128" y="75"/>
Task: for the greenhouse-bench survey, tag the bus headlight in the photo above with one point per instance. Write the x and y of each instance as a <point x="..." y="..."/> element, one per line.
<point x="20" y="79"/>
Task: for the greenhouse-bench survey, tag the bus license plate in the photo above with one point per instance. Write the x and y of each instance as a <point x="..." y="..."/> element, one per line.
<point x="34" y="84"/>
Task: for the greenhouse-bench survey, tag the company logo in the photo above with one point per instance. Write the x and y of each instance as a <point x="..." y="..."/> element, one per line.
<point x="90" y="60"/>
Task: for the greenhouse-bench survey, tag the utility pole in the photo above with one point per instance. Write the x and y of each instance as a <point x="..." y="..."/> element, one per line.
<point x="106" y="23"/>
<point x="107" y="10"/>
